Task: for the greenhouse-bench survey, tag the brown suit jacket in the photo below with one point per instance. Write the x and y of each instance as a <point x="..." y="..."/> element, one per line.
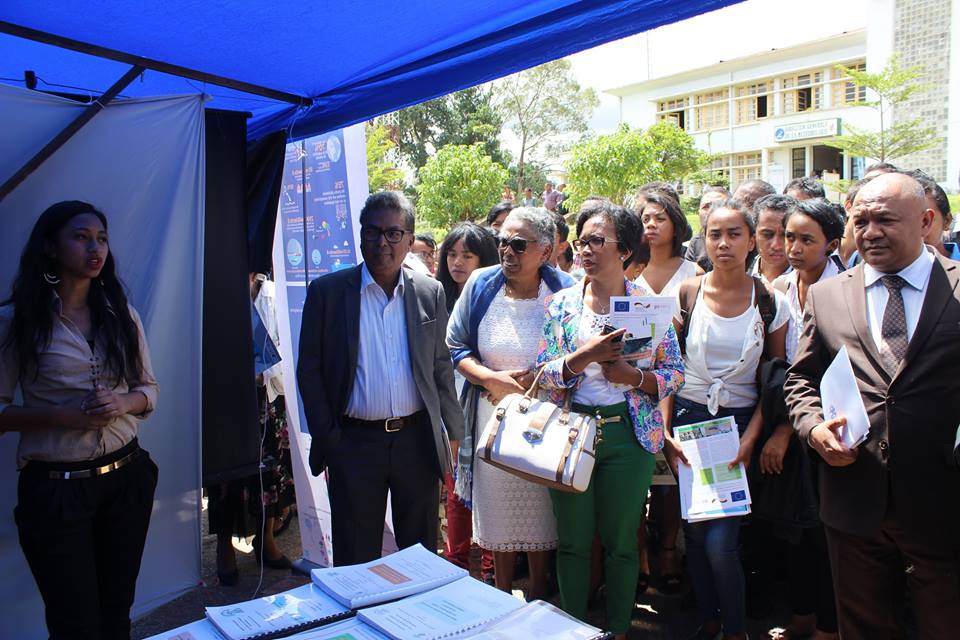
<point x="907" y="462"/>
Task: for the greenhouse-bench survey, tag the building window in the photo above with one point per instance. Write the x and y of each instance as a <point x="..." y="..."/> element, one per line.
<point x="673" y="110"/>
<point x="711" y="110"/>
<point x="753" y="101"/>
<point x="845" y="91"/>
<point x="802" y="92"/>
<point x="746" y="166"/>
<point x="798" y="158"/>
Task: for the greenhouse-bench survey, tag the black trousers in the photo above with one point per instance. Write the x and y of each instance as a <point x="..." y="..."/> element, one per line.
<point x="811" y="585"/>
<point x="368" y="462"/>
<point x="871" y="574"/>
<point x="83" y="540"/>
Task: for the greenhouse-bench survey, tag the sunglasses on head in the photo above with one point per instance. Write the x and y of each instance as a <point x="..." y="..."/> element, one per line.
<point x="519" y="245"/>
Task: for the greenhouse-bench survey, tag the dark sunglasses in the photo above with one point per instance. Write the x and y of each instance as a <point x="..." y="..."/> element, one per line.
<point x="519" y="245"/>
<point x="393" y="235"/>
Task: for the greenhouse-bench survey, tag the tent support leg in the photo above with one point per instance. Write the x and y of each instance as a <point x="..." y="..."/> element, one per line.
<point x="71" y="129"/>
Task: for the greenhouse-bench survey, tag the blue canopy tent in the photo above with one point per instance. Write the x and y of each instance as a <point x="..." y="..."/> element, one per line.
<point x="309" y="67"/>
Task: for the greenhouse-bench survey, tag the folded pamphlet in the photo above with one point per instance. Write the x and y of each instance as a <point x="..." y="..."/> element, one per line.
<point x="709" y="488"/>
<point x="840" y="398"/>
<point x="276" y="616"/>
<point x="406" y="572"/>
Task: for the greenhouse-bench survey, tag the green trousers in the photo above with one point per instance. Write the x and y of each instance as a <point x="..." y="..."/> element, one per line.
<point x="612" y="505"/>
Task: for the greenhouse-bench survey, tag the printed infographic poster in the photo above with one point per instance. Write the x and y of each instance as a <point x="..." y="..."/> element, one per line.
<point x="328" y="223"/>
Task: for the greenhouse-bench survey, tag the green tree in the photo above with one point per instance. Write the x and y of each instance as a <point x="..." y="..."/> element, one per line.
<point x="539" y="105"/>
<point x="459" y="183"/>
<point x="892" y="87"/>
<point x="466" y="117"/>
<point x="616" y="165"/>
<point x="381" y="172"/>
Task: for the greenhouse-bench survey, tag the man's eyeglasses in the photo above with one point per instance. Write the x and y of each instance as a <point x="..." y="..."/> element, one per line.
<point x="595" y="242"/>
<point x="519" y="245"/>
<point x="369" y="233"/>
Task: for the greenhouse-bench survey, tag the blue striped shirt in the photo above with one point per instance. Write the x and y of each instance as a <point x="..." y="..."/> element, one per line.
<point x="384" y="386"/>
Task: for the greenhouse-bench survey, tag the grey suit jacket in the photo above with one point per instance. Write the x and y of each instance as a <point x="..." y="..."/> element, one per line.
<point x="327" y="363"/>
<point x="908" y="460"/>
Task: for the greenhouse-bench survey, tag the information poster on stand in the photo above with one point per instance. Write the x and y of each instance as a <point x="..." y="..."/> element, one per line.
<point x="324" y="188"/>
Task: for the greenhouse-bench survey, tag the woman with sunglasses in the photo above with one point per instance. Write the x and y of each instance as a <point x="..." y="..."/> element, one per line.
<point x="579" y="356"/>
<point x="726" y="333"/>
<point x="493" y="335"/>
<point x="75" y="348"/>
<point x="465" y="249"/>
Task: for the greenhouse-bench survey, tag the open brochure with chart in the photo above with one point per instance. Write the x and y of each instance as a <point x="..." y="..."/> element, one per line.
<point x="276" y="616"/>
<point x="400" y="574"/>
<point x="646" y="319"/>
<point x="709" y="488"/>
<point x="452" y="610"/>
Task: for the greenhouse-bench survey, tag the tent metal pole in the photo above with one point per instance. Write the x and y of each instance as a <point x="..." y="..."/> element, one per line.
<point x="147" y="63"/>
<point x="71" y="129"/>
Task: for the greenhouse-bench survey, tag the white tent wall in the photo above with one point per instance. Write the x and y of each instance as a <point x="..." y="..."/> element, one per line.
<point x="141" y="162"/>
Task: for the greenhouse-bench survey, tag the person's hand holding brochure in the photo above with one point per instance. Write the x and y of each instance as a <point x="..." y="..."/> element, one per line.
<point x="709" y="487"/>
<point x="840" y="398"/>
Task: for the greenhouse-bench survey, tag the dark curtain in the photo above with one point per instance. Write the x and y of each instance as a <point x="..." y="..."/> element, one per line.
<point x="231" y="431"/>
<point x="264" y="181"/>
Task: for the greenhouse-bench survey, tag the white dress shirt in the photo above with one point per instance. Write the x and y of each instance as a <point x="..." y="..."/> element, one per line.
<point x="792" y="295"/>
<point x="917" y="275"/>
<point x="384" y="386"/>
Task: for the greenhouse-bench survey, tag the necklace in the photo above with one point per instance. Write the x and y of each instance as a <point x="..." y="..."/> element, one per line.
<point x="517" y="294"/>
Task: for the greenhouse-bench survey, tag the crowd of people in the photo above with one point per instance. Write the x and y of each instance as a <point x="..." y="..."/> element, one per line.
<point x="401" y="364"/>
<point x="746" y="343"/>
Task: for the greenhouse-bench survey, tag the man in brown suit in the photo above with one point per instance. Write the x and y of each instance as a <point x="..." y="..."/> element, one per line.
<point x="892" y="505"/>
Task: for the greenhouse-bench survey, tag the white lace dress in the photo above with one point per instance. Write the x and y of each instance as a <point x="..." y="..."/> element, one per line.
<point x="509" y="513"/>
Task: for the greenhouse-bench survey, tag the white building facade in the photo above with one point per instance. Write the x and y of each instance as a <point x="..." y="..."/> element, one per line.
<point x="768" y="112"/>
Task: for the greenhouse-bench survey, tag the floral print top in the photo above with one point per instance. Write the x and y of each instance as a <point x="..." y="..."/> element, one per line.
<point x="559" y="339"/>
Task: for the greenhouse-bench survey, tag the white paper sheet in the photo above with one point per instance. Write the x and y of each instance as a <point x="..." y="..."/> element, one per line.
<point x="287" y="610"/>
<point x="538" y="620"/>
<point x="451" y="610"/>
<point x="351" y="629"/>
<point x="840" y="397"/>
<point x="646" y="319"/>
<point x="406" y="572"/>
<point x="708" y="488"/>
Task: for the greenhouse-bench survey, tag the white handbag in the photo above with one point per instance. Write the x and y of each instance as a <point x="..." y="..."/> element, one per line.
<point x="541" y="442"/>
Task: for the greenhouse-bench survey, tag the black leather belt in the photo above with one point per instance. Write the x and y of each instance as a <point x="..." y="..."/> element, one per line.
<point x="92" y="468"/>
<point x="390" y="425"/>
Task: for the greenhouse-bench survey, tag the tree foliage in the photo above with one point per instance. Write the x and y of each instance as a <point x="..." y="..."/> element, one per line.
<point x="616" y="165"/>
<point x="382" y="173"/>
<point x="540" y="104"/>
<point x="459" y="183"/>
<point x="891" y="87"/>
<point x="466" y="117"/>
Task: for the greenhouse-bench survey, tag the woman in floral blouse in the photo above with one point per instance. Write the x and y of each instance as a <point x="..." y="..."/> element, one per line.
<point x="578" y="358"/>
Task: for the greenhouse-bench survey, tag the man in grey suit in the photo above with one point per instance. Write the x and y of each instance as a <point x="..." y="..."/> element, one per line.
<point x="891" y="506"/>
<point x="377" y="385"/>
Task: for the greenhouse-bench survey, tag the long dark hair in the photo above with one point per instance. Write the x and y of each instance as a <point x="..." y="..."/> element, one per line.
<point x="681" y="228"/>
<point x="32" y="299"/>
<point x="478" y="240"/>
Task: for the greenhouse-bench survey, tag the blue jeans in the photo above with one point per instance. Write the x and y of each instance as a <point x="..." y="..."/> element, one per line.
<point x="713" y="546"/>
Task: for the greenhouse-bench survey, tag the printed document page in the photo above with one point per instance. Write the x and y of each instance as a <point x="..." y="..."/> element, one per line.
<point x="538" y="621"/>
<point x="452" y="609"/>
<point x="840" y="397"/>
<point x="351" y="629"/>
<point x="406" y="572"/>
<point x="646" y="319"/>
<point x="707" y="486"/>
<point x="284" y="611"/>
<point x="199" y="630"/>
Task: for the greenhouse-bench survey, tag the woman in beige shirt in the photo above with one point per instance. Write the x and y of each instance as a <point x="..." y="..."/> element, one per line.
<point x="75" y="349"/>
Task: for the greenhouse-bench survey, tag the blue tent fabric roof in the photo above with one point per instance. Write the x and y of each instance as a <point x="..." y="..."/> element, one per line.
<point x="354" y="60"/>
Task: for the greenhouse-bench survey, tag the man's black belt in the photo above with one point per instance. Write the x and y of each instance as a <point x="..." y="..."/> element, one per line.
<point x="390" y="425"/>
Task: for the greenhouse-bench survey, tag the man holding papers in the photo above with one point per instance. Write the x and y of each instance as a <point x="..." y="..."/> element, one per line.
<point x="890" y="504"/>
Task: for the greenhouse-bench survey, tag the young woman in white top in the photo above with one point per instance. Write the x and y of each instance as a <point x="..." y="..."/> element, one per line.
<point x="813" y="232"/>
<point x="725" y="340"/>
<point x="665" y="229"/>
